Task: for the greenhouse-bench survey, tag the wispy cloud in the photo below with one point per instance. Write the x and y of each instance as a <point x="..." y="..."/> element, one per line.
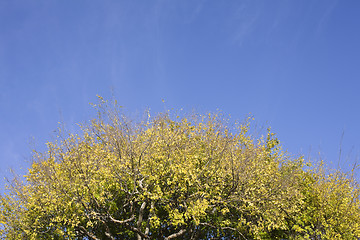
<point x="195" y="11"/>
<point x="326" y="15"/>
<point x="246" y="17"/>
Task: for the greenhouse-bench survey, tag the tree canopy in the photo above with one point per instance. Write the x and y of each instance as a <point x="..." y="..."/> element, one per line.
<point x="171" y="177"/>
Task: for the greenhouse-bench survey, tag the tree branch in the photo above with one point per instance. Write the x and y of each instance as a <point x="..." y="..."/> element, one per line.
<point x="228" y="228"/>
<point x="147" y="229"/>
<point x="174" y="235"/>
<point x="93" y="237"/>
<point x="141" y="212"/>
<point x="123" y="221"/>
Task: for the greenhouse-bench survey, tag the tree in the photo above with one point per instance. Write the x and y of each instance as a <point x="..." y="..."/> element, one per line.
<point x="175" y="178"/>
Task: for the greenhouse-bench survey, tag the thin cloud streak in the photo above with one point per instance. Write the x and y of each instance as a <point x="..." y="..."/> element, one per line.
<point x="246" y="19"/>
<point x="326" y="16"/>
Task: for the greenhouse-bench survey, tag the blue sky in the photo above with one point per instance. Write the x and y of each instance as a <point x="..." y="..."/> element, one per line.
<point x="294" y="65"/>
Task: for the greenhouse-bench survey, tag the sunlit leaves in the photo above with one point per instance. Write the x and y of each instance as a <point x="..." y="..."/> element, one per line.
<point x="189" y="177"/>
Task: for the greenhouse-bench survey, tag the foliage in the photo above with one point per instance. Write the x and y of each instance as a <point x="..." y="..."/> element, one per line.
<point x="175" y="178"/>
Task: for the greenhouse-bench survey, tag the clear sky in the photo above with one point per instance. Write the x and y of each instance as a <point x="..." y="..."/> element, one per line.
<point x="294" y="65"/>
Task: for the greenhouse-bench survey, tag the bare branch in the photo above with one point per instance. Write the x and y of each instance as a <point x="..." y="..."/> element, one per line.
<point x="147" y="229"/>
<point x="141" y="212"/>
<point x="134" y="229"/>
<point x="174" y="235"/>
<point x="109" y="235"/>
<point x="91" y="236"/>
<point x="224" y="228"/>
<point x="123" y="221"/>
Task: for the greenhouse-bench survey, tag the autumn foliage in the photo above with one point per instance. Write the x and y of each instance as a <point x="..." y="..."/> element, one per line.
<point x="168" y="177"/>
